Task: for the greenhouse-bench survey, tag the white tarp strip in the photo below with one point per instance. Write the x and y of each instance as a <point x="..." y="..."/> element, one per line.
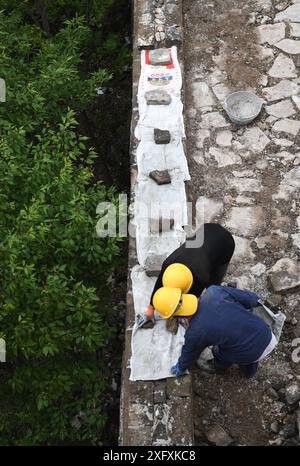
<point x="151" y="156"/>
<point x="155" y="350"/>
<point x="164" y="244"/>
<point x="167" y="201"/>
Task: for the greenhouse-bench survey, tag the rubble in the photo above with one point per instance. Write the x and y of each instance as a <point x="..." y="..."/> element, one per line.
<point x="298" y="422"/>
<point x="285" y="275"/>
<point x="274" y="427"/>
<point x="292" y="393"/>
<point x="216" y="435"/>
<point x="288" y="431"/>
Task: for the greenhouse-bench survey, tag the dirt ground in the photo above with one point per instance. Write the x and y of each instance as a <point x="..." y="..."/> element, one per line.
<point x="221" y="50"/>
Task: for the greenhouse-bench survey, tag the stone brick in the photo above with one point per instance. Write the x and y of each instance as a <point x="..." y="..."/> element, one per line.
<point x="161" y="225"/>
<point x="174" y="21"/>
<point x="140" y="414"/>
<point x="161" y="136"/>
<point x="137" y="436"/>
<point x="179" y="386"/>
<point x="153" y="264"/>
<point x="161" y="177"/>
<point x="144" y="24"/>
<point x="160" y="57"/>
<point x="158" y="97"/>
<point x="160" y="391"/>
<point x="141" y="391"/>
<point x="180" y="425"/>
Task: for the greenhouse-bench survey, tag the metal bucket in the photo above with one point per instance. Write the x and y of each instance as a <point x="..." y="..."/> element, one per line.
<point x="242" y="107"/>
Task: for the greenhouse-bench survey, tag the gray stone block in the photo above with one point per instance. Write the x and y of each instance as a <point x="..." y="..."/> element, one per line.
<point x="216" y="435"/>
<point x="160" y="391"/>
<point x="179" y="386"/>
<point x="160" y="57"/>
<point x="161" y="225"/>
<point x="285" y="275"/>
<point x="158" y="97"/>
<point x="153" y="264"/>
<point x="161" y="177"/>
<point x="161" y="136"/>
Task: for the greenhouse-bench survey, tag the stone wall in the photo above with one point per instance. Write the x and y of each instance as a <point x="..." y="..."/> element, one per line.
<point x="152" y="412"/>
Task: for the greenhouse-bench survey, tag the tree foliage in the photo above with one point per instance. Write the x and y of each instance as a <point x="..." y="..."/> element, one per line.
<point x="53" y="268"/>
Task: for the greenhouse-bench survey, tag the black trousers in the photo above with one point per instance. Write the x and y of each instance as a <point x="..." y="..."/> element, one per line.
<point x="247" y="370"/>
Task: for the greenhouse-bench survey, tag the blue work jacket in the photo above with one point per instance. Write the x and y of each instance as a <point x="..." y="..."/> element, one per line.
<point x="223" y="320"/>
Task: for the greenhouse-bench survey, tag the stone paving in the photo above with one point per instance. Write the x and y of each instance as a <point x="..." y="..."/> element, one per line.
<point x="250" y="179"/>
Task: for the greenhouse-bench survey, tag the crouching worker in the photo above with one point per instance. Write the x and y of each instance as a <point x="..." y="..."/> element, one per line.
<point x="194" y="269"/>
<point x="223" y="320"/>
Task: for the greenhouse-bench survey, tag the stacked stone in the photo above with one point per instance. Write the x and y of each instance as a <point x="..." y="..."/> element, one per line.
<point x="160" y="412"/>
<point x="159" y="23"/>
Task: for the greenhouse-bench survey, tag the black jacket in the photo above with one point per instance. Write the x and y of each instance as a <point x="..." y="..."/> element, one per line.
<point x="207" y="263"/>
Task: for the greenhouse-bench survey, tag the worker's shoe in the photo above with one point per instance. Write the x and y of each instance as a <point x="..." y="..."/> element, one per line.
<point x="210" y="366"/>
<point x="206" y="366"/>
<point x="248" y="370"/>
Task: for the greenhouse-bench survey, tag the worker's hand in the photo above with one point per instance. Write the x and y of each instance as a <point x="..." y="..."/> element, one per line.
<point x="175" y="370"/>
<point x="150" y="311"/>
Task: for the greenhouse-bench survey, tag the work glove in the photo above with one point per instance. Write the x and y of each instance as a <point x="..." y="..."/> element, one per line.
<point x="175" y="370"/>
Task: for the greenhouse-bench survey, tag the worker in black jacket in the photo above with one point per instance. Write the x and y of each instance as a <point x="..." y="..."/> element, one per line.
<point x="205" y="265"/>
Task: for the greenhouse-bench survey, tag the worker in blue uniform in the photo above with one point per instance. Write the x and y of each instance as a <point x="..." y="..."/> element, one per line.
<point x="224" y="320"/>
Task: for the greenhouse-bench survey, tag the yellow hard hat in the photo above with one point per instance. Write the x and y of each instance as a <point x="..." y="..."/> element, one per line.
<point x="178" y="276"/>
<point x="171" y="302"/>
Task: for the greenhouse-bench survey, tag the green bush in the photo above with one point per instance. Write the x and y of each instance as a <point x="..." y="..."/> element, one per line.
<point x="54" y="297"/>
